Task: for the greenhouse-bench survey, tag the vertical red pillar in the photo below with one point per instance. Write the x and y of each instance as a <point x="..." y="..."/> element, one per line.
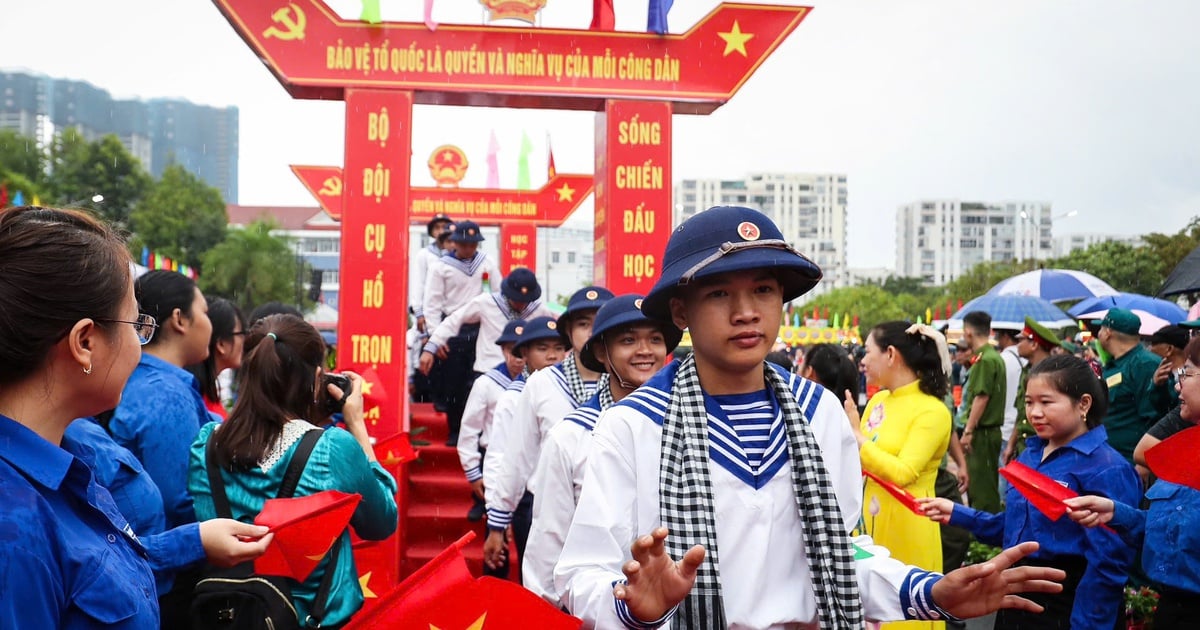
<point x="518" y="248"/>
<point x="633" y="194"/>
<point x="372" y="321"/>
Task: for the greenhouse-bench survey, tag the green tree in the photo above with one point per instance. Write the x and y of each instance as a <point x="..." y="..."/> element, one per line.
<point x="180" y="216"/>
<point x="870" y="303"/>
<point x="21" y="157"/>
<point x="81" y="169"/>
<point x="1126" y="268"/>
<point x="982" y="277"/>
<point x="253" y="266"/>
<point x="1171" y="249"/>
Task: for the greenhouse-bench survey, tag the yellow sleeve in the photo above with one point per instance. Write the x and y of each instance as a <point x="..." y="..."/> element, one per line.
<point x="928" y="433"/>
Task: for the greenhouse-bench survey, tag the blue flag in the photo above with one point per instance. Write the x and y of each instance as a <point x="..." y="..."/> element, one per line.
<point x="145" y="256"/>
<point x="657" y="20"/>
<point x="19" y="199"/>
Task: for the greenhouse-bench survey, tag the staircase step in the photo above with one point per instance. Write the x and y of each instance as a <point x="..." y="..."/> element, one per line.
<point x="438" y="455"/>
<point x="438" y="487"/>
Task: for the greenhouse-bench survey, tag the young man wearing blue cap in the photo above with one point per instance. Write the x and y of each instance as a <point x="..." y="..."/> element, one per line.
<point x="548" y="397"/>
<point x="421" y="262"/>
<point x="628" y="347"/>
<point x="739" y="484"/>
<point x="1130" y="379"/>
<point x="455" y="280"/>
<point x="541" y="345"/>
<point x="474" y="435"/>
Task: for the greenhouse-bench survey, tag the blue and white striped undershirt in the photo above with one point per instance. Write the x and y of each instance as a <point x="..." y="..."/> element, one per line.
<point x="746" y="435"/>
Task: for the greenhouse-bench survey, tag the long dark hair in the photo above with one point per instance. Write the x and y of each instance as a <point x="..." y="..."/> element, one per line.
<point x="226" y="317"/>
<point x="276" y="383"/>
<point x="833" y="368"/>
<point x="919" y="352"/>
<point x="1073" y="377"/>
<point x="56" y="268"/>
<point x="159" y="293"/>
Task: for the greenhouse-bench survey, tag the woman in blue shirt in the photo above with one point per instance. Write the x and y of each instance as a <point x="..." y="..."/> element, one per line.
<point x="70" y="335"/>
<point x="280" y="380"/>
<point x="1168" y="533"/>
<point x="1065" y="403"/>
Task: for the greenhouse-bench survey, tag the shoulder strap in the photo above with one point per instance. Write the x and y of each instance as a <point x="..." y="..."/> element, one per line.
<point x="296" y="466"/>
<point x="215" y="483"/>
<point x="321" y="601"/>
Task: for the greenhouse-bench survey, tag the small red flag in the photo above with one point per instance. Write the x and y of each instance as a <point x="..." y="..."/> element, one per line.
<point x="1171" y="459"/>
<point x="396" y="449"/>
<point x="903" y="496"/>
<point x="510" y="605"/>
<point x="603" y="17"/>
<point x="305" y="529"/>
<point x="551" y="171"/>
<point x="1045" y="494"/>
<point x="373" y="390"/>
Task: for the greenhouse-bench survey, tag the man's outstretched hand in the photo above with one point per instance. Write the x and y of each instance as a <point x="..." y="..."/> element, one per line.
<point x="654" y="582"/>
<point x="981" y="589"/>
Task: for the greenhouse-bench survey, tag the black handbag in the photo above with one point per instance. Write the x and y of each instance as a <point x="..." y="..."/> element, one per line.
<point x="238" y="599"/>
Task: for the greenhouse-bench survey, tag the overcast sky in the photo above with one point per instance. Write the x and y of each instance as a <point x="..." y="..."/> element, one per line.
<point x="1093" y="106"/>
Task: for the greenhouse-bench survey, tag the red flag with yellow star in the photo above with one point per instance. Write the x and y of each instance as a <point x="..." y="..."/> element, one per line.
<point x="1171" y="459"/>
<point x="373" y="391"/>
<point x="510" y="605"/>
<point x="305" y="529"/>
<point x="395" y="450"/>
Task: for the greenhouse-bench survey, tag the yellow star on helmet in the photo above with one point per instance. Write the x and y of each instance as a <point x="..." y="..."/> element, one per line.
<point x="735" y="39"/>
<point x="566" y="193"/>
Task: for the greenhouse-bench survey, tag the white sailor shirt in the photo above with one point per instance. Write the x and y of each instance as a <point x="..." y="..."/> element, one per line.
<point x="493" y="461"/>
<point x="421" y="262"/>
<point x="560" y="478"/>
<point x="765" y="578"/>
<point x="491" y="312"/>
<point x="477" y="418"/>
<point x="451" y="283"/>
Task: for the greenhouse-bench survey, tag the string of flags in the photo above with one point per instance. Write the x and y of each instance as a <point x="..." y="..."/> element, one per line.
<point x="152" y="260"/>
<point x="603" y="15"/>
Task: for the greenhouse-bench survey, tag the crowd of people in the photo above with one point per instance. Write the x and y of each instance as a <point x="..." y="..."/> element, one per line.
<point x="725" y="485"/>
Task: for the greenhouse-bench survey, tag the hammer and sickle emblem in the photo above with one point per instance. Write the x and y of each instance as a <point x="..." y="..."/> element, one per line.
<point x="291" y="19"/>
<point x="332" y="187"/>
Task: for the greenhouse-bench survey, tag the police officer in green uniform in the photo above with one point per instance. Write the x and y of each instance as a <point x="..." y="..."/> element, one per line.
<point x="1034" y="344"/>
<point x="1130" y="378"/>
<point x="985" y="404"/>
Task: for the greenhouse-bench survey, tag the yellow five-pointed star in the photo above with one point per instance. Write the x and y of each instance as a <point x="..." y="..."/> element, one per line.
<point x="566" y="193"/>
<point x="362" y="583"/>
<point x="477" y="625"/>
<point x="735" y="39"/>
<point x="366" y="387"/>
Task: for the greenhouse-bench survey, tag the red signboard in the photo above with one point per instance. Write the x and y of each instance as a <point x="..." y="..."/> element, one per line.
<point x="374" y="276"/>
<point x="549" y="206"/>
<point x="633" y="194"/>
<point x="317" y="54"/>
<point x="518" y="247"/>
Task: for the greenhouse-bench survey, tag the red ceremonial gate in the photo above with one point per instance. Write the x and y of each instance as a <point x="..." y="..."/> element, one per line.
<point x="634" y="81"/>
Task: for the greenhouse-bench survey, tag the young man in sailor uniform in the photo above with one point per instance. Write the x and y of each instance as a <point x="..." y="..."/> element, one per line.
<point x="630" y="348"/>
<point x="455" y="280"/>
<point x="541" y="345"/>
<point x="722" y="493"/>
<point x="439" y="229"/>
<point x="476" y="428"/>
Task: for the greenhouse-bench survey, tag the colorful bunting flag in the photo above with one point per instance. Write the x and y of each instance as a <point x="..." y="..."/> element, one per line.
<point x="550" y="170"/>
<point x="305" y="529"/>
<point x="370" y="12"/>
<point x="429" y="23"/>
<point x="603" y="17"/>
<point x="656" y="22"/>
<point x="19" y="199"/>
<point x="3" y="195"/>
<point x="493" y="162"/>
<point x="523" y="180"/>
<point x="145" y="256"/>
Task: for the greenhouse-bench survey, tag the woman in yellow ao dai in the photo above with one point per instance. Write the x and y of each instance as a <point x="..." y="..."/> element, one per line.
<point x="902" y="439"/>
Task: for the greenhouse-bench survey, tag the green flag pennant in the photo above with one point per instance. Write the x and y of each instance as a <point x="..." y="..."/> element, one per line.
<point x="523" y="178"/>
<point x="370" y="12"/>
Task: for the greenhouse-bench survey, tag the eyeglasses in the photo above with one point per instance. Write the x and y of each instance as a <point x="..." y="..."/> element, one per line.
<point x="144" y="326"/>
<point x="1182" y="374"/>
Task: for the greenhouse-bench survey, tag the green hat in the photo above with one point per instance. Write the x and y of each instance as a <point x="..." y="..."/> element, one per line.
<point x="1192" y="323"/>
<point x="1041" y="335"/>
<point x="1120" y="320"/>
<point x="1070" y="347"/>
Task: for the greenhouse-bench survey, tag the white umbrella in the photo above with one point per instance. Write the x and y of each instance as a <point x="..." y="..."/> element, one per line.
<point x="1150" y="323"/>
<point x="1054" y="285"/>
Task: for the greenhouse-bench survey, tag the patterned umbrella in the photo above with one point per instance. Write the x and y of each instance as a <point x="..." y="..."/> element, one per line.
<point x="1009" y="312"/>
<point x="1162" y="309"/>
<point x="1054" y="285"/>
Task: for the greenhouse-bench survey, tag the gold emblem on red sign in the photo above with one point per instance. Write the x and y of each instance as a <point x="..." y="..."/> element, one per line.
<point x="448" y="165"/>
<point x="524" y="10"/>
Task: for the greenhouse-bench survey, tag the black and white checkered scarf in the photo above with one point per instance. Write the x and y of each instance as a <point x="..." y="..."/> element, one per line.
<point x="570" y="370"/>
<point x="687" y="507"/>
<point x="605" y="392"/>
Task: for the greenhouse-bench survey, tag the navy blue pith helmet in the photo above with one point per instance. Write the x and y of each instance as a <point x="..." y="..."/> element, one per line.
<point x="466" y="232"/>
<point x="621" y="311"/>
<point x="439" y="219"/>
<point x="512" y="332"/>
<point x="585" y="299"/>
<point x="536" y="329"/>
<point x="521" y="286"/>
<point x="724" y="239"/>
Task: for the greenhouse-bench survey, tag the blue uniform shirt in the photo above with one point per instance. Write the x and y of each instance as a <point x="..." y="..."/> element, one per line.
<point x="138" y="499"/>
<point x="1088" y="465"/>
<point x="160" y="414"/>
<point x="68" y="559"/>
<point x="1168" y="534"/>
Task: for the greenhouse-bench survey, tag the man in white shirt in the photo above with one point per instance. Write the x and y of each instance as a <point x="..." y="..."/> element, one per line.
<point x="1006" y="340"/>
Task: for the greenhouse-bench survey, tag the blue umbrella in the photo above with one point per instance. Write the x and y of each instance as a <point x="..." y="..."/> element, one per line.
<point x="1054" y="285"/>
<point x="1009" y="312"/>
<point x="1164" y="309"/>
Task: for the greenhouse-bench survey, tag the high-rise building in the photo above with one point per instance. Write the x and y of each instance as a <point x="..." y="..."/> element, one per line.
<point x="202" y="139"/>
<point x="939" y="240"/>
<point x="1068" y="243"/>
<point x="809" y="208"/>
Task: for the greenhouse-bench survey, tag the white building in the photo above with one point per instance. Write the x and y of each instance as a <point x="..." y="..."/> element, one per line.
<point x="1068" y="243"/>
<point x="858" y="276"/>
<point x="939" y="240"/>
<point x="809" y="208"/>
